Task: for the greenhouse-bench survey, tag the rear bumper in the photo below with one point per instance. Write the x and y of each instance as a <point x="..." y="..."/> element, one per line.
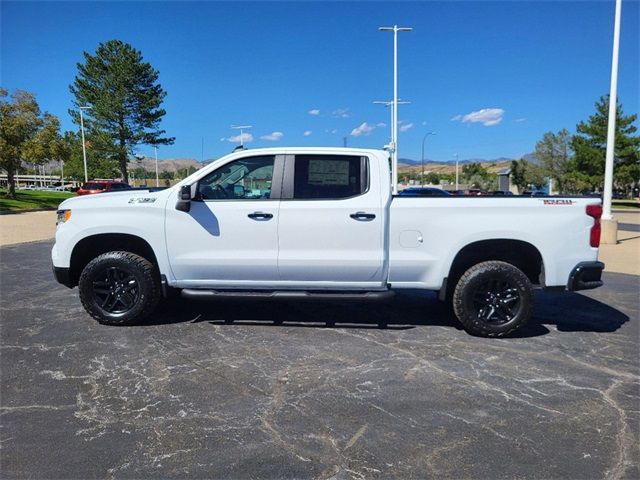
<point x="62" y="275"/>
<point x="585" y="276"/>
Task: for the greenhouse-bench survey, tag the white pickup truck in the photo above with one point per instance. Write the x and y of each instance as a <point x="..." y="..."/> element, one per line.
<point x="317" y="223"/>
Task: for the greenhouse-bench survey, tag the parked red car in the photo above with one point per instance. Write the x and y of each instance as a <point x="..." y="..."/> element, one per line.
<point x="101" y="187"/>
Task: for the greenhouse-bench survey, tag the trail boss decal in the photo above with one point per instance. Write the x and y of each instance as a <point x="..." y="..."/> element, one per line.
<point x="142" y="200"/>
<point x="559" y="201"/>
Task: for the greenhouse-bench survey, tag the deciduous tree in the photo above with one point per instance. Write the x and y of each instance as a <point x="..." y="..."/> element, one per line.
<point x="555" y="155"/>
<point x="25" y="134"/>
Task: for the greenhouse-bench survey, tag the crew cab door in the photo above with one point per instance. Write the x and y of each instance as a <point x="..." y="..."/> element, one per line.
<point x="230" y="235"/>
<point x="331" y="223"/>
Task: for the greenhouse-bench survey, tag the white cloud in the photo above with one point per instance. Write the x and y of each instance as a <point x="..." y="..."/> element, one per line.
<point x="307" y="133"/>
<point x="424" y="124"/>
<point x="381" y="124"/>
<point x="406" y="126"/>
<point x="273" y="136"/>
<point x="333" y="131"/>
<point x="314" y="112"/>
<point x="341" y="113"/>
<point x="364" y="129"/>
<point x="487" y="117"/>
<point x="246" y="138"/>
<point x="519" y="120"/>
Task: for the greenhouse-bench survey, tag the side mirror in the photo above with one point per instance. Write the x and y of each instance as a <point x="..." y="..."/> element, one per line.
<point x="184" y="199"/>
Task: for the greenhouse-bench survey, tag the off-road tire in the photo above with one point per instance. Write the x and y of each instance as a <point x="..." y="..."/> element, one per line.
<point x="475" y="295"/>
<point x="143" y="294"/>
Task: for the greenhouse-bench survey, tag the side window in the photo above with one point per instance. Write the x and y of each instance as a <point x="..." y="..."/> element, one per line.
<point x="329" y="176"/>
<point x="244" y="179"/>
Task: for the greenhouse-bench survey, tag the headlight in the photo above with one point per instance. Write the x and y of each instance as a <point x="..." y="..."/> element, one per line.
<point x="63" y="216"/>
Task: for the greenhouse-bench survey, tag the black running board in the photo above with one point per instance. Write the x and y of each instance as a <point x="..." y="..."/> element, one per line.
<point x="201" y="294"/>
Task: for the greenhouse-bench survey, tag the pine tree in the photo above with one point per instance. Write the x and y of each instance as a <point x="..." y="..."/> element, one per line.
<point x="124" y="100"/>
<point x="590" y="144"/>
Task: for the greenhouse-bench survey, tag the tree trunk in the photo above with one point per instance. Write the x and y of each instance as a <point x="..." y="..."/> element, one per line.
<point x="11" y="182"/>
<point x="122" y="161"/>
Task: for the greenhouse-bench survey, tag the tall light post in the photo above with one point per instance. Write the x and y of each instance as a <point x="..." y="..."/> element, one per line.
<point x="609" y="225"/>
<point x="422" y="156"/>
<point x="457" y="172"/>
<point x="84" y="147"/>
<point x="242" y="128"/>
<point x="389" y="103"/>
<point x="394" y="116"/>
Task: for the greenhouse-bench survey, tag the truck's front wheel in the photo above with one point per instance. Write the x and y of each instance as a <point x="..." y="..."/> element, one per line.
<point x="492" y="299"/>
<point x="119" y="288"/>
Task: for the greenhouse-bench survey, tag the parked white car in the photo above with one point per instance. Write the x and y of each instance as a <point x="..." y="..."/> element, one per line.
<point x="322" y="222"/>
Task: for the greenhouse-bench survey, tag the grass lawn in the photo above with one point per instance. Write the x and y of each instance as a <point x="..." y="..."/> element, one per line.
<point x="626" y="204"/>
<point x="33" y="199"/>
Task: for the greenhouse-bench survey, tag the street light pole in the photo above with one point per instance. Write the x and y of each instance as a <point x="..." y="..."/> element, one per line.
<point x="84" y="148"/>
<point x="394" y="116"/>
<point x="457" y="172"/>
<point x="610" y="227"/>
<point x="389" y="103"/>
<point x="242" y="128"/>
<point x="422" y="156"/>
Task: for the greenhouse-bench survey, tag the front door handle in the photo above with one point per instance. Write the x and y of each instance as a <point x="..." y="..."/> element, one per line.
<point x="362" y="216"/>
<point x="260" y="216"/>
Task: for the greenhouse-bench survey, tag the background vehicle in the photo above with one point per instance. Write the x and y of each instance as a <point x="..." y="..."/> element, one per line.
<point x="424" y="192"/>
<point x="501" y="193"/>
<point x="316" y="223"/>
<point x="476" y="192"/>
<point x="102" y="187"/>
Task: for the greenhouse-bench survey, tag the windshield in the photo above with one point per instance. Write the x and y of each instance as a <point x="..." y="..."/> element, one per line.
<point x="94" y="186"/>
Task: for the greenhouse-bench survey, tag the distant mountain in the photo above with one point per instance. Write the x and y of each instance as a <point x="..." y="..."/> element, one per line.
<point x="168" y="165"/>
<point x="407" y="162"/>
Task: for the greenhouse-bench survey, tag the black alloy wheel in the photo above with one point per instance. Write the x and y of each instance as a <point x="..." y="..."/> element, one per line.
<point x="492" y="299"/>
<point x="116" y="290"/>
<point x="119" y="288"/>
<point x="496" y="301"/>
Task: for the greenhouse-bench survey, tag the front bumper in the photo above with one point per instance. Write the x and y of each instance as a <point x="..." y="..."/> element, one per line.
<point x="585" y="276"/>
<point x="63" y="276"/>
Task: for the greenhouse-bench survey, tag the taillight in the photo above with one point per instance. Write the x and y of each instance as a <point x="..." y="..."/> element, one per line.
<point x="595" y="211"/>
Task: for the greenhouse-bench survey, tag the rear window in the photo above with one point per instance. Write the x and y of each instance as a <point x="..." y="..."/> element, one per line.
<point x="329" y="176"/>
<point x="94" y="186"/>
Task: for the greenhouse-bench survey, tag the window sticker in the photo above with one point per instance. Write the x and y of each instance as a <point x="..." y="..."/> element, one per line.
<point x="328" y="172"/>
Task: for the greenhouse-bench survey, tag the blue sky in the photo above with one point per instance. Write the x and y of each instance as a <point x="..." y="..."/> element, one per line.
<point x="488" y="77"/>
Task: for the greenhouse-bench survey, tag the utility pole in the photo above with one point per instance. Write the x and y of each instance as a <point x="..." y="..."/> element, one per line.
<point x="457" y="172"/>
<point x="84" y="148"/>
<point x="394" y="116"/>
<point x="609" y="225"/>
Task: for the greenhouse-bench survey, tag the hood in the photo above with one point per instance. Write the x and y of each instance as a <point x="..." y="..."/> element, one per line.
<point x="104" y="200"/>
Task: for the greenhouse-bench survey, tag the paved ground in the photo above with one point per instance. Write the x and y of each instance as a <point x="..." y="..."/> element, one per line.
<point x="223" y="390"/>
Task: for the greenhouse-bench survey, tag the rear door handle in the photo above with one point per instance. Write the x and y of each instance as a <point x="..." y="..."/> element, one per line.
<point x="260" y="216"/>
<point x="362" y="216"/>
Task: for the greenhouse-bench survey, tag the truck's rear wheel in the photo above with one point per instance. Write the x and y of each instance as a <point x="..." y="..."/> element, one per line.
<point x="119" y="288"/>
<point x="492" y="299"/>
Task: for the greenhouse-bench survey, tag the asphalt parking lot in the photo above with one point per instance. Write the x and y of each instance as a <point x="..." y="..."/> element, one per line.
<point x="249" y="389"/>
